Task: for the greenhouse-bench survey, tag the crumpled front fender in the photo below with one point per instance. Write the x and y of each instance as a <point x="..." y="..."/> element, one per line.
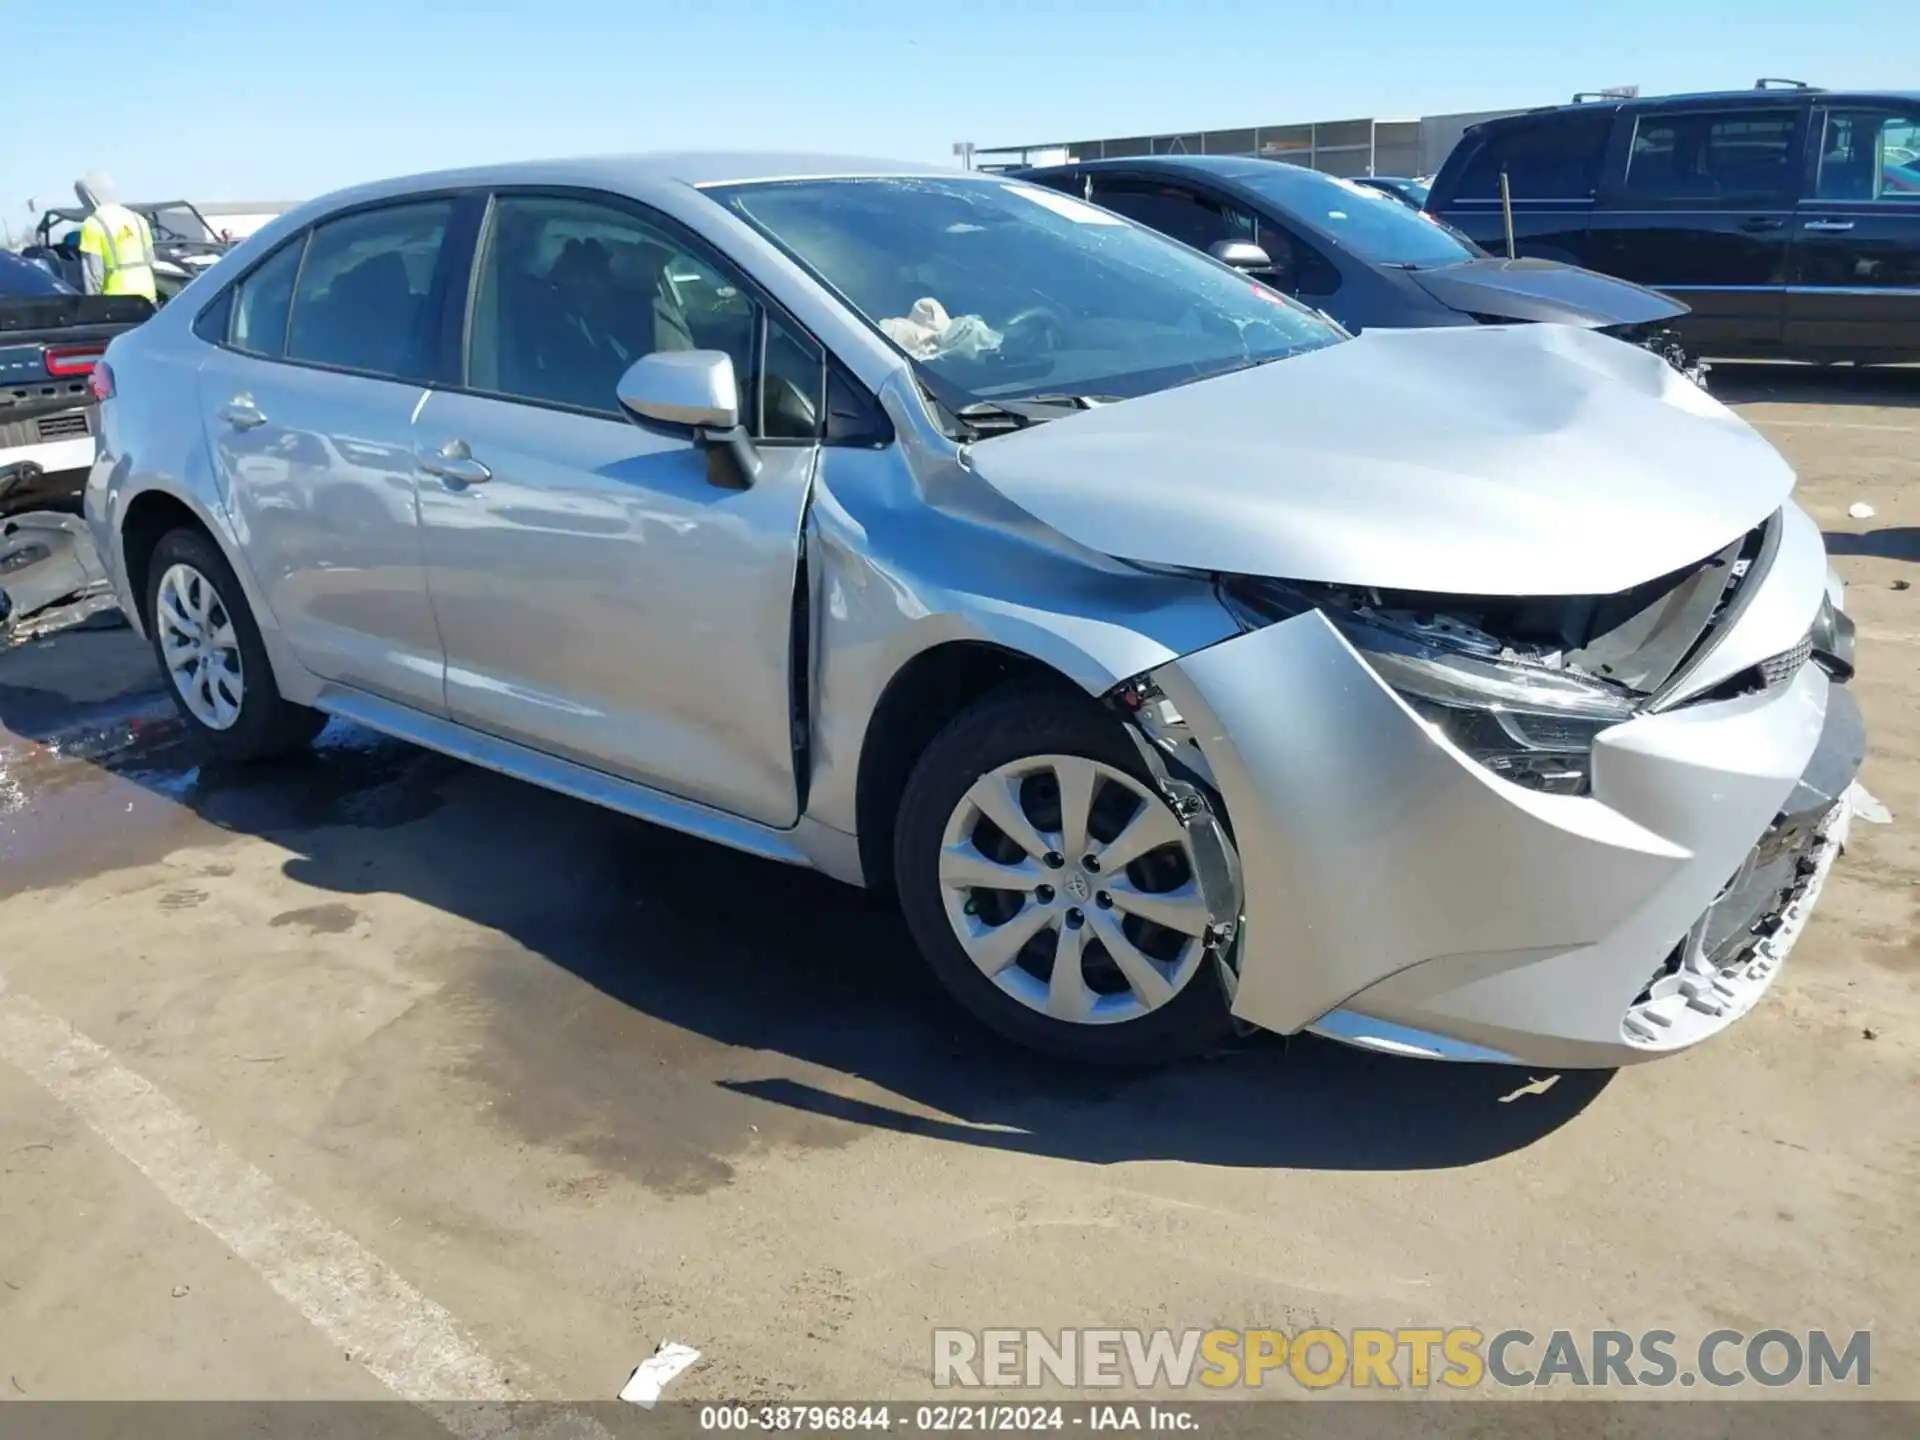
<point x="1369" y="844"/>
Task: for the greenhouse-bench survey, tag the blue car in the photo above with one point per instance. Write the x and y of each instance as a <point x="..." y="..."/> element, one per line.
<point x="1369" y="261"/>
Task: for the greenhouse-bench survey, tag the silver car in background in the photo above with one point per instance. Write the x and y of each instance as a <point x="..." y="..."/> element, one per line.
<point x="1176" y="657"/>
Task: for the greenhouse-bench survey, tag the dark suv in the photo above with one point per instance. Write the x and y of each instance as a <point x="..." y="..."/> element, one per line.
<point x="1786" y="217"/>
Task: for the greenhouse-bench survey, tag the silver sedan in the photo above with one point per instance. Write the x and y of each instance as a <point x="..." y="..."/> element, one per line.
<point x="1179" y="659"/>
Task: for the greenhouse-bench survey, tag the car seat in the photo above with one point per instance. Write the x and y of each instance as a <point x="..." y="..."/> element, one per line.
<point x="339" y="326"/>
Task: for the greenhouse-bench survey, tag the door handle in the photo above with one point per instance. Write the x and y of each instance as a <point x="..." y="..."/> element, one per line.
<point x="1762" y="222"/>
<point x="1828" y="225"/>
<point x="242" y="414"/>
<point x="454" y="463"/>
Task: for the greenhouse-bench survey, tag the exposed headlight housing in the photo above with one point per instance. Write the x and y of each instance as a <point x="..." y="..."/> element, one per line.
<point x="1516" y="710"/>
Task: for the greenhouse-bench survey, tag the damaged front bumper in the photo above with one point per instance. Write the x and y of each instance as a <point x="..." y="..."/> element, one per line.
<point x="1398" y="895"/>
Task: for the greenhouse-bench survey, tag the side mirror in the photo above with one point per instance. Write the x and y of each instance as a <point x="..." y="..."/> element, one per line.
<point x="1240" y="254"/>
<point x="682" y="387"/>
<point x="694" y="389"/>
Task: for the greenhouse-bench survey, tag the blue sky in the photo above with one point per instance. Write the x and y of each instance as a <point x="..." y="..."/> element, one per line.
<point x="246" y="99"/>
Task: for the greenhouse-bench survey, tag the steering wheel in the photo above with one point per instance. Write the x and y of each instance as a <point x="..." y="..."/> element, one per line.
<point x="1041" y="320"/>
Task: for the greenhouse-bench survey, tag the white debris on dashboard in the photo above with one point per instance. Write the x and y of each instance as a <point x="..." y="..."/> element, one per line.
<point x="927" y="331"/>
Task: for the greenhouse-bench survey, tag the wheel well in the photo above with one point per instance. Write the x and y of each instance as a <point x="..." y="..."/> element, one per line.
<point x="929" y="691"/>
<point x="149" y="517"/>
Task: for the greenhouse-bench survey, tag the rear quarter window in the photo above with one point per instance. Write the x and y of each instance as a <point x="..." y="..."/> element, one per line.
<point x="258" y="323"/>
<point x="1557" y="157"/>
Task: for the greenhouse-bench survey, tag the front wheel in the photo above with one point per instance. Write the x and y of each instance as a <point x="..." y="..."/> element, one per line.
<point x="1052" y="890"/>
<point x="211" y="654"/>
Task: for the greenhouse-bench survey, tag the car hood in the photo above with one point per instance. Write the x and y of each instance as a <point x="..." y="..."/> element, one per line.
<point x="1544" y="290"/>
<point x="1537" y="460"/>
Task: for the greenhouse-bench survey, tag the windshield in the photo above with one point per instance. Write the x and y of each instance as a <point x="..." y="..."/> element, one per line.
<point x="1374" y="226"/>
<point x="998" y="290"/>
<point x="1411" y="191"/>
<point x="179" y="222"/>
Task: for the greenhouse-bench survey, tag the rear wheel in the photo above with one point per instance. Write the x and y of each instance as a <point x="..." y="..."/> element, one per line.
<point x="1052" y="890"/>
<point x="211" y="654"/>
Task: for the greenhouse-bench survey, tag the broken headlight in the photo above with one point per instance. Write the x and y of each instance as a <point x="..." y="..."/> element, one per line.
<point x="1519" y="710"/>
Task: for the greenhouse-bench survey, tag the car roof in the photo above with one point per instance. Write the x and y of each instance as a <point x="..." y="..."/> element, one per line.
<point x="1758" y="95"/>
<point x="639" y="173"/>
<point x="1227" y="167"/>
<point x="20" y="276"/>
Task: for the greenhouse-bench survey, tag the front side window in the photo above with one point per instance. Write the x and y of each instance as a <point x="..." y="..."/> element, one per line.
<point x="571" y="292"/>
<point x="1173" y="210"/>
<point x="362" y="298"/>
<point x="1870" y="155"/>
<point x="996" y="289"/>
<point x="262" y="301"/>
<point x="1741" y="155"/>
<point x="1551" y="159"/>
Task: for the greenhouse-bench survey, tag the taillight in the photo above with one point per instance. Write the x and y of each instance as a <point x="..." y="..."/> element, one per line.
<point x="65" y="363"/>
<point x="100" y="381"/>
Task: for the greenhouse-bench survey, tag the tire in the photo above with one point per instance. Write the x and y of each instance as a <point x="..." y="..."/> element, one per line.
<point x="1007" y="731"/>
<point x="262" y="724"/>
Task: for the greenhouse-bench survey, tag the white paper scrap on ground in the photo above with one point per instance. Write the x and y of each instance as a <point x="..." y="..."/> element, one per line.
<point x="1860" y="510"/>
<point x="650" y="1377"/>
<point x="1861" y="801"/>
<point x="1535" y="1086"/>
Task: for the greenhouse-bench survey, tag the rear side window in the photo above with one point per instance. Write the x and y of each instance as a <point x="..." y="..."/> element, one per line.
<point x="261" y="303"/>
<point x="1556" y="158"/>
<point x="1715" y="155"/>
<point x="363" y="297"/>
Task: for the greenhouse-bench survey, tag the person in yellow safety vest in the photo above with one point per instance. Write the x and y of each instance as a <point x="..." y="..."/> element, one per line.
<point x="116" y="244"/>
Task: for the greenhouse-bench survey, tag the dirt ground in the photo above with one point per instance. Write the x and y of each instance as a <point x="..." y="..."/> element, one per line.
<point x="377" y="1074"/>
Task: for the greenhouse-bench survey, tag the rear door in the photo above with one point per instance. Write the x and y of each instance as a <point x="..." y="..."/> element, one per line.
<point x="1699" y="202"/>
<point x="1855" y="283"/>
<point x="323" y="356"/>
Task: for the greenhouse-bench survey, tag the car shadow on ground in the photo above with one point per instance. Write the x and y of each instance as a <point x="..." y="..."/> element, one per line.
<point x="1890" y="542"/>
<point x="811" y="991"/>
<point x="1739" y="382"/>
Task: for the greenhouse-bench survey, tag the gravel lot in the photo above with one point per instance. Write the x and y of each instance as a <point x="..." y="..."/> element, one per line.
<point x="380" y="1074"/>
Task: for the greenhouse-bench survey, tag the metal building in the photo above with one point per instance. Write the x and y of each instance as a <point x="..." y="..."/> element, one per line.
<point x="1366" y="146"/>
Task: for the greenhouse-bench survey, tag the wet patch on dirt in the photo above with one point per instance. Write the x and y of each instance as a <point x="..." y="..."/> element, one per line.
<point x="620" y="999"/>
<point x="98" y="772"/>
<point x="319" y="919"/>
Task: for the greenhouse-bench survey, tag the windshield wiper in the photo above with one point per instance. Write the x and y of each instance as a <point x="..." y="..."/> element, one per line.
<point x="1239" y="365"/>
<point x="994" y="417"/>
